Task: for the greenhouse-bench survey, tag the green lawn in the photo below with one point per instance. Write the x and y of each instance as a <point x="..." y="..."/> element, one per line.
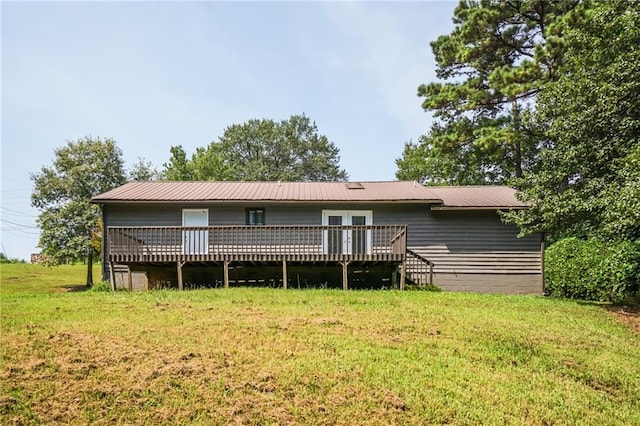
<point x="271" y="356"/>
<point x="25" y="278"/>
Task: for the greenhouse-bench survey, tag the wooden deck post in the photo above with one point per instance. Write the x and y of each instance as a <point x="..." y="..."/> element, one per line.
<point x="345" y="275"/>
<point x="542" y="262"/>
<point x="129" y="278"/>
<point x="180" y="282"/>
<point x="112" y="276"/>
<point x="226" y="273"/>
<point x="430" y="273"/>
<point x="403" y="273"/>
<point x="285" y="277"/>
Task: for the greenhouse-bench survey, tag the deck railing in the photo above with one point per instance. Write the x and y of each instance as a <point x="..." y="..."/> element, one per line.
<point x="256" y="243"/>
<point x="419" y="269"/>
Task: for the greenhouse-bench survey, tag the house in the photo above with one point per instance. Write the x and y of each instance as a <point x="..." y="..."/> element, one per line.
<point x="274" y="232"/>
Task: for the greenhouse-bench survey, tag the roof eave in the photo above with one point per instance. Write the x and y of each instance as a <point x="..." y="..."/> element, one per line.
<point x="461" y="208"/>
<point x="120" y="201"/>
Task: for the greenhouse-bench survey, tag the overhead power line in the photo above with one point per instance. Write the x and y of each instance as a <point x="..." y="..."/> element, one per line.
<point x="22" y="225"/>
<point x="16" y="212"/>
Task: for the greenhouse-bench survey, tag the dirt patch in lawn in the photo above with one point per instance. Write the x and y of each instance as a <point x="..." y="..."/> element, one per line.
<point x="629" y="315"/>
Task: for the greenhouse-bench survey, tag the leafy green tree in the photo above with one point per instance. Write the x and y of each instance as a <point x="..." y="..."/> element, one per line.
<point x="621" y="218"/>
<point x="588" y="182"/>
<point x="434" y="164"/>
<point x="494" y="63"/>
<point x="208" y="164"/>
<point x="62" y="192"/>
<point x="143" y="171"/>
<point x="178" y="166"/>
<point x="261" y="150"/>
<point x="205" y="164"/>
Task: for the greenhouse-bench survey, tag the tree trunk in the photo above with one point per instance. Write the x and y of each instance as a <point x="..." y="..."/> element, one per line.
<point x="90" y="268"/>
<point x="517" y="157"/>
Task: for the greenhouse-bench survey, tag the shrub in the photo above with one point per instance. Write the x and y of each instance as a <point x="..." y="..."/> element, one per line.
<point x="593" y="269"/>
<point x="101" y="286"/>
<point x="424" y="287"/>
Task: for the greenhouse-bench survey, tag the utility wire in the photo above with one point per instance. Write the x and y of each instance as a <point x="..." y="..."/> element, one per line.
<point x="16" y="212"/>
<point x="19" y="224"/>
<point x="18" y="230"/>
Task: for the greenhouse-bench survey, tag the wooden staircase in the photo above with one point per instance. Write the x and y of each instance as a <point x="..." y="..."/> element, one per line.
<point x="419" y="270"/>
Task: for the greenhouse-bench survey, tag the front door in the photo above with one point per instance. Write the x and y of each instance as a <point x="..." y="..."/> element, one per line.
<point x="347" y="241"/>
<point x="195" y="241"/>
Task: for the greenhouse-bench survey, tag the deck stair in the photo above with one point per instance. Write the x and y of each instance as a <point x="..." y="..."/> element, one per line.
<point x="419" y="270"/>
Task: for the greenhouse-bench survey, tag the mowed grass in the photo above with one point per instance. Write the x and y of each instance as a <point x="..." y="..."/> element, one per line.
<point x="26" y="278"/>
<point x="270" y="356"/>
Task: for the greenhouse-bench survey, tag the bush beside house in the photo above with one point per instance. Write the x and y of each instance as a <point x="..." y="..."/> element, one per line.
<point x="593" y="270"/>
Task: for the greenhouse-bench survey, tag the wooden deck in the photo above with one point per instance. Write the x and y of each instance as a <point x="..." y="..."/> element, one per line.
<point x="269" y="243"/>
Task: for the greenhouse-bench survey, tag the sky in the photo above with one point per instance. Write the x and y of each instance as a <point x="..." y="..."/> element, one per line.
<point x="155" y="74"/>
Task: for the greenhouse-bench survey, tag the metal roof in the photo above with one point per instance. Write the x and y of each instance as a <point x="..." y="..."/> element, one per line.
<point x="475" y="197"/>
<point x="266" y="191"/>
<point x="442" y="197"/>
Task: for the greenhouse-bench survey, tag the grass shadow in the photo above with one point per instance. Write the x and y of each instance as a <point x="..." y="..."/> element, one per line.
<point x="74" y="288"/>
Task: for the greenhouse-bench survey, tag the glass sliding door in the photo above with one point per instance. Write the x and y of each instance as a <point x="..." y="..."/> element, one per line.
<point x="335" y="238"/>
<point x="358" y="236"/>
<point x="352" y="237"/>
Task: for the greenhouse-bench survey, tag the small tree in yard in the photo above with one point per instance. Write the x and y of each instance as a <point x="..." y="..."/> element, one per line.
<point x="70" y="224"/>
